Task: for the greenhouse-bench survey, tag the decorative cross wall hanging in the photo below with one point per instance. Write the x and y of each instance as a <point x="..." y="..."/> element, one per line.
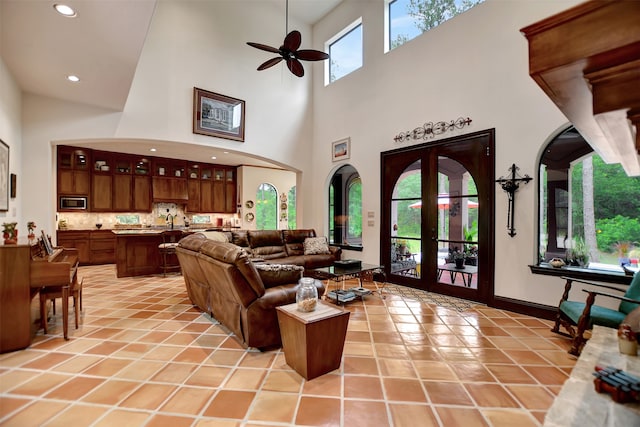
<point x="511" y="185"/>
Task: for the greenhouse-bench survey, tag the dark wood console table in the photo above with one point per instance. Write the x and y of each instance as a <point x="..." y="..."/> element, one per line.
<point x="581" y="273"/>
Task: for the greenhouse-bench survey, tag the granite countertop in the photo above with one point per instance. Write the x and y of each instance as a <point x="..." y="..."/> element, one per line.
<point x="578" y="404"/>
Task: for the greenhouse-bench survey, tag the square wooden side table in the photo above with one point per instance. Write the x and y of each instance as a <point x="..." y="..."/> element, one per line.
<point x="313" y="341"/>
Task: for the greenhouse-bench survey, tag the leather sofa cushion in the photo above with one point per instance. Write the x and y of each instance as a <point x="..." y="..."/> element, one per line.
<point x="279" y="274"/>
<point x="267" y="244"/>
<point x="240" y="238"/>
<point x="248" y="280"/>
<point x="294" y="240"/>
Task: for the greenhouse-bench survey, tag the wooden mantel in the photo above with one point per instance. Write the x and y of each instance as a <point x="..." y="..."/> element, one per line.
<point x="587" y="60"/>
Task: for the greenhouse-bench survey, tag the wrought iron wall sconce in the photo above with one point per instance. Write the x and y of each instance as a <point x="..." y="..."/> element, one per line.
<point x="511" y="185"/>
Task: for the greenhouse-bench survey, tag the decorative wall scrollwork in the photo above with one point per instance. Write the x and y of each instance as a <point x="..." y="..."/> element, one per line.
<point x="430" y="129"/>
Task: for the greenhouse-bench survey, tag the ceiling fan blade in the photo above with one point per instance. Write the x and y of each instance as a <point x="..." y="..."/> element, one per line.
<point x="295" y="67"/>
<point x="269" y="63"/>
<point x="311" y="55"/>
<point x="293" y="40"/>
<point x="263" y="47"/>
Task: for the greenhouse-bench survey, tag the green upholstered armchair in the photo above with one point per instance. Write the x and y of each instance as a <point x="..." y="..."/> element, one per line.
<point x="577" y="317"/>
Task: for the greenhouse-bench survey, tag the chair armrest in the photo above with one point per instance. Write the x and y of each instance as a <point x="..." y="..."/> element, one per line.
<point x="599" y="285"/>
<point x="618" y="297"/>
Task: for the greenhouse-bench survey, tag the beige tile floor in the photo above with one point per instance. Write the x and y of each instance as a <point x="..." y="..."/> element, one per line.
<point x="143" y="356"/>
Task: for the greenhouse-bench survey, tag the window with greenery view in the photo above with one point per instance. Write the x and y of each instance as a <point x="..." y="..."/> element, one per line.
<point x="407" y="19"/>
<point x="345" y="52"/>
<point x="588" y="209"/>
<point x="345" y="207"/>
<point x="266" y="207"/>
<point x="291" y="208"/>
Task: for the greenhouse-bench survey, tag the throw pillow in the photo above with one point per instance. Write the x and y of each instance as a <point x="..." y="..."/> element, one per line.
<point x="316" y="245"/>
<point x="278" y="274"/>
<point x="216" y="236"/>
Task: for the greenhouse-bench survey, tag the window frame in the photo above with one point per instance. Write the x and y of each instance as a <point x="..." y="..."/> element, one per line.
<point x="335" y="39"/>
<point x="338" y="199"/>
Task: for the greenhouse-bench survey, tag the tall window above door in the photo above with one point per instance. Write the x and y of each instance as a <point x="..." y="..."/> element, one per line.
<point x="345" y="208"/>
<point x="266" y="207"/>
<point x="588" y="210"/>
<point x="345" y="52"/>
<point x="407" y="19"/>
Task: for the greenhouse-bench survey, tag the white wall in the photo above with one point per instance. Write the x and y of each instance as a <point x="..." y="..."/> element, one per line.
<point x="189" y="44"/>
<point x="249" y="178"/>
<point x="11" y="134"/>
<point x="474" y="65"/>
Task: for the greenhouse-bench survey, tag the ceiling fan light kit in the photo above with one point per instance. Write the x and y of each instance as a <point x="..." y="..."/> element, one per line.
<point x="289" y="51"/>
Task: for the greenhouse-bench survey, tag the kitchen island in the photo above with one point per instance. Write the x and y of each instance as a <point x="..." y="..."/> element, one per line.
<point x="137" y="251"/>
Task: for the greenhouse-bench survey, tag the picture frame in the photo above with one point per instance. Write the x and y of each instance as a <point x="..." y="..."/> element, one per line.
<point x="341" y="150"/>
<point x="218" y="115"/>
<point x="4" y="176"/>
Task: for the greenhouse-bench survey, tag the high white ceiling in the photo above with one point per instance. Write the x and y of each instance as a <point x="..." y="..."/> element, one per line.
<point x="101" y="44"/>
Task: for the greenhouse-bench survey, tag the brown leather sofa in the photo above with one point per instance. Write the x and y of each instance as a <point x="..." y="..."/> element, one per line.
<point x="282" y="247"/>
<point x="222" y="281"/>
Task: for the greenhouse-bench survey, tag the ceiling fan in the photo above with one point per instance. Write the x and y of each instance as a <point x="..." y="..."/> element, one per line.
<point x="289" y="51"/>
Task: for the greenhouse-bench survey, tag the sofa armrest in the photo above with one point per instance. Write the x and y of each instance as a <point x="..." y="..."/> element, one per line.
<point x="336" y="251"/>
<point x="279" y="274"/>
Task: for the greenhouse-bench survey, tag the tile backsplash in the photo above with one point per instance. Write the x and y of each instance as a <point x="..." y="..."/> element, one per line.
<point x="157" y="217"/>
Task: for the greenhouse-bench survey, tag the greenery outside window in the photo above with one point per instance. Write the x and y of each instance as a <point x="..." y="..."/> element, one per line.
<point x="407" y="19"/>
<point x="266" y="207"/>
<point x="291" y="209"/>
<point x="588" y="209"/>
<point x="345" y="52"/>
<point x="345" y="208"/>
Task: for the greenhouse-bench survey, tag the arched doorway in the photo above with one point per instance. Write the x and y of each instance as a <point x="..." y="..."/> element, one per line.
<point x="437" y="205"/>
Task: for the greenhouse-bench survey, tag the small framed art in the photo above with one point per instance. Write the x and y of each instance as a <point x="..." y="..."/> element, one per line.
<point x="341" y="150"/>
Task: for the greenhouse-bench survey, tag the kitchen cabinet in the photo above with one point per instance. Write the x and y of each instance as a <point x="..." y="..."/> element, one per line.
<point x="169" y="183"/>
<point x="75" y="239"/>
<point x="142" y="194"/>
<point x="102" y="247"/>
<point x="73" y="171"/>
<point x="101" y="199"/>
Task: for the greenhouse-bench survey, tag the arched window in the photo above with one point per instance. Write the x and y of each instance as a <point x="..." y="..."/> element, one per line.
<point x="588" y="209"/>
<point x="345" y="208"/>
<point x="291" y="209"/>
<point x="266" y="207"/>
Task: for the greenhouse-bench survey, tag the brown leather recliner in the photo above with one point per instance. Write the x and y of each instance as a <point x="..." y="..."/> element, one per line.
<point x="222" y="281"/>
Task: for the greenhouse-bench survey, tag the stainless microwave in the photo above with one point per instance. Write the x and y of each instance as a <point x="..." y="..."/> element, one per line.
<point x="79" y="203"/>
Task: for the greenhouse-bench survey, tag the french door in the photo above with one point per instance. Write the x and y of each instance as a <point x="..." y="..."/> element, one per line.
<point x="437" y="216"/>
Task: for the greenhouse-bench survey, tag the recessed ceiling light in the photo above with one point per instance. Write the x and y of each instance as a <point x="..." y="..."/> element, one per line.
<point x="153" y="149"/>
<point x="225" y="152"/>
<point x="65" y="10"/>
<point x="213" y="157"/>
<point x="73" y="78"/>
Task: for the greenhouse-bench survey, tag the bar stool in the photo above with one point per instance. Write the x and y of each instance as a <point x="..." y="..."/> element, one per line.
<point x="65" y="291"/>
<point x="167" y="250"/>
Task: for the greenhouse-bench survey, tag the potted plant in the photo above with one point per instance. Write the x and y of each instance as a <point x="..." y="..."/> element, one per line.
<point x="10" y="233"/>
<point x="579" y="252"/>
<point x="458" y="258"/>
<point x="30" y="227"/>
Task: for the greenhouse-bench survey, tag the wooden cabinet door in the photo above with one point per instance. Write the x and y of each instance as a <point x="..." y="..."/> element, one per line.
<point x="230" y="192"/>
<point x="193" y="190"/>
<point x="81" y="182"/>
<point x="206" y="196"/>
<point x="122" y="193"/>
<point x="142" y="194"/>
<point x="78" y="240"/>
<point x="65" y="182"/>
<point x="101" y="193"/>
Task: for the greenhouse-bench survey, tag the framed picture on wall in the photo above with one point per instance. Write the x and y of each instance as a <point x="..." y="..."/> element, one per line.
<point x="218" y="115"/>
<point x="341" y="150"/>
<point x="4" y="176"/>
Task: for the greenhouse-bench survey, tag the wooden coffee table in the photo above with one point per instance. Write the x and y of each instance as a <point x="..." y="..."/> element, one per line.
<point x="313" y="341"/>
